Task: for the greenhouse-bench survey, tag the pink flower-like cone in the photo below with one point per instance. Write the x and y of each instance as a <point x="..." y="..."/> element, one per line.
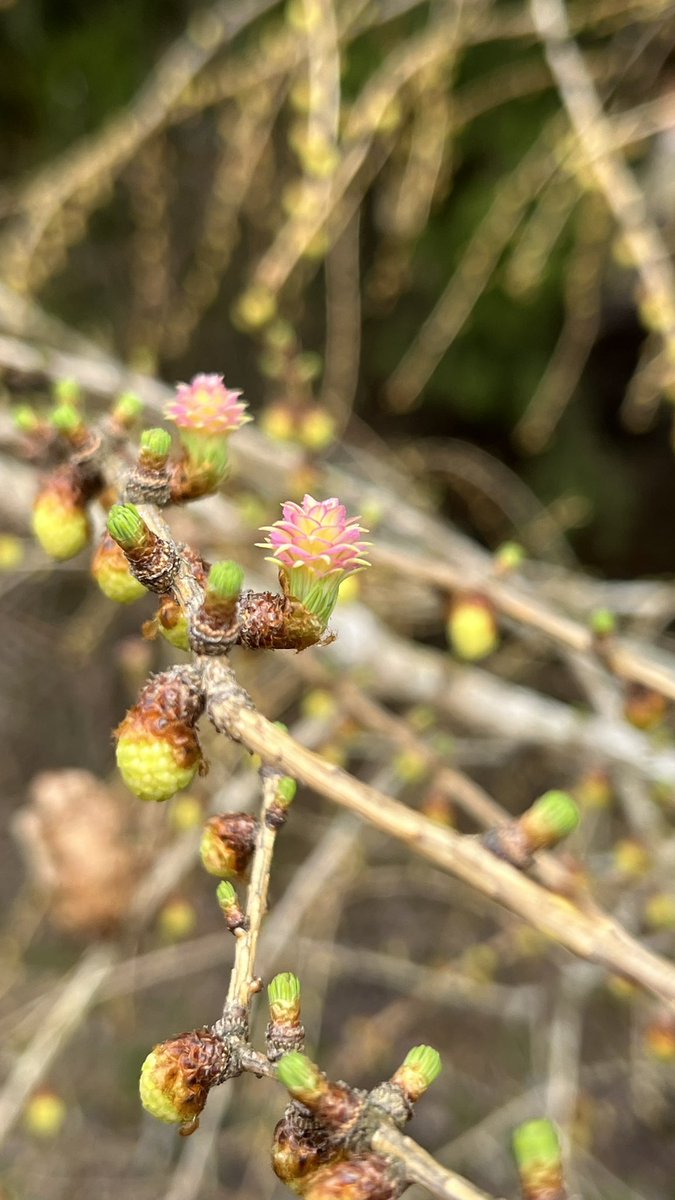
<point x="206" y="413"/>
<point x="206" y="406"/>
<point x="316" y="546"/>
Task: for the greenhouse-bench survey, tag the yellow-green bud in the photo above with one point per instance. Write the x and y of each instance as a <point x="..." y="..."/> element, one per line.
<point x="419" y="1069"/>
<point x="155" y="444"/>
<point x="128" y="409"/>
<point x="127" y="527"/>
<point x="472" y="629"/>
<point x="553" y="817"/>
<point x="300" y="1076"/>
<point x="284" y="998"/>
<point x="224" y="581"/>
<point x="537" y="1153"/>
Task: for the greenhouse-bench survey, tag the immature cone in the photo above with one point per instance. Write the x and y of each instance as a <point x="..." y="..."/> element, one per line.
<point x="60" y="519"/>
<point x="111" y="572"/>
<point x="285" y="1031"/>
<point x="227" y="844"/>
<point x="335" y="1104"/>
<point x="158" y="752"/>
<point x="361" y="1177"/>
<point x="472" y="628"/>
<point x="206" y="413"/>
<point x="315" y="545"/>
<point x="539" y="1161"/>
<point x="177" y="1075"/>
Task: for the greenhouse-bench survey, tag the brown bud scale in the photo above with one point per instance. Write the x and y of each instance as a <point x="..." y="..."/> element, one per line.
<point x="283" y="1036"/>
<point x="269" y="621"/>
<point x="363" y="1177"/>
<point x="300" y="1146"/>
<point x="237" y="833"/>
<point x="168" y="707"/>
<point x="155" y="563"/>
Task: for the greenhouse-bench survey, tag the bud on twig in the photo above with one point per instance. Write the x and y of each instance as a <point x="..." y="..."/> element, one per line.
<point x="335" y="1104"/>
<point x="285" y="1031"/>
<point x="127" y="410"/>
<point x="420" y="1067"/>
<point x="153" y="561"/>
<point x="550" y="819"/>
<point x="216" y="625"/>
<point x="539" y="1161"/>
<point x="177" y="1075"/>
<point x="227" y="844"/>
<point x="472" y="628"/>
<point x="230" y="907"/>
<point x="158" y="751"/>
<point x="149" y="481"/>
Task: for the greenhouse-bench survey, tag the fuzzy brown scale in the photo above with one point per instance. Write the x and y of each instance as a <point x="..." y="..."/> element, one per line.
<point x="301" y="1145"/>
<point x="148" y="482"/>
<point x="269" y="621"/>
<point x="188" y="481"/>
<point x="281" y="1037"/>
<point x="339" y="1107"/>
<point x="276" y="816"/>
<point x="154" y="562"/>
<point x="544" y="1183"/>
<point x="363" y="1177"/>
<point x="188" y="1066"/>
<point x="168" y="707"/>
<point x="73" y="484"/>
<point x="215" y="627"/>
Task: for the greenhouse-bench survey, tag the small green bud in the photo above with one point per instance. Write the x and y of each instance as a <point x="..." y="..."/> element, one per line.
<point x="156" y="443"/>
<point x="225" y="580"/>
<point x="286" y="789"/>
<point x="226" y="895"/>
<point x="66" y="418"/>
<point x="536" y="1147"/>
<point x="25" y="418"/>
<point x="300" y="1075"/>
<point x="417" y="1072"/>
<point x="284" y="993"/>
<point x="126" y="526"/>
<point x="128" y="409"/>
<point x="67" y="391"/>
<point x="603" y="622"/>
<point x="508" y="557"/>
<point x="550" y="819"/>
<point x="426" y="1060"/>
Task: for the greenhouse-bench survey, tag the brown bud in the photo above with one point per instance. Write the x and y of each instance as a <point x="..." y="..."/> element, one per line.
<point x="643" y="707"/>
<point x="272" y="622"/>
<point x="227" y="843"/>
<point x="364" y="1177"/>
<point x="300" y="1145"/>
<point x="177" y="1075"/>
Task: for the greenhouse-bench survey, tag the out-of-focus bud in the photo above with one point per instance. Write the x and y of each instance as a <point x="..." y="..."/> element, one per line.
<point x="60" y="519"/>
<point x="659" y="911"/>
<point x="659" y="1037"/>
<point x="127" y="410"/>
<point x="508" y="558"/>
<point x="177" y="919"/>
<point x="552" y="818"/>
<point x="631" y="858"/>
<point x="12" y="551"/>
<point x="602" y="623"/>
<point x="539" y="1161"/>
<point x="594" y="789"/>
<point x="44" y="1114"/>
<point x="111" y="572"/>
<point x="643" y="707"/>
<point x="472" y="628"/>
<point x="186" y="813"/>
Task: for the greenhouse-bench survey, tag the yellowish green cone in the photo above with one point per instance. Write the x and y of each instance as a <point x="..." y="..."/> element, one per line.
<point x="62" y="531"/>
<point x="153" y="1098"/>
<point x="149" y="768"/>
